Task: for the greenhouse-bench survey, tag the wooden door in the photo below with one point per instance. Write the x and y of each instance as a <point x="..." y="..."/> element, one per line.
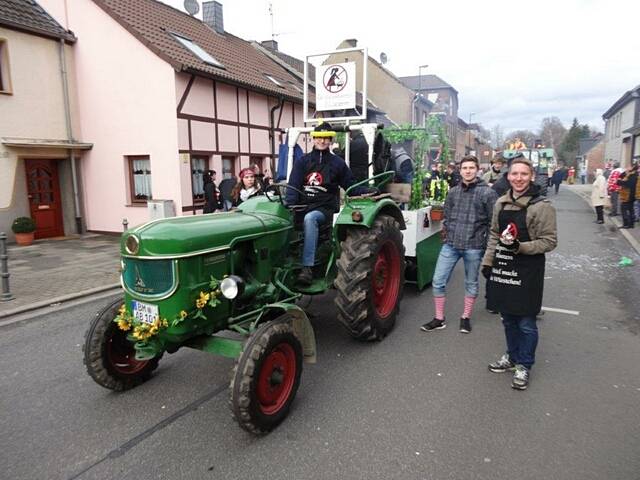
<point x="43" y="190"/>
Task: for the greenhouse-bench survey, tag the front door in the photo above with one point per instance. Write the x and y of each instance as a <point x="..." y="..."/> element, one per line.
<point x="43" y="190"/>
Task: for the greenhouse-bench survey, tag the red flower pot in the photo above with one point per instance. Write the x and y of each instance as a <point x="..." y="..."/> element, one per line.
<point x="24" y="239"/>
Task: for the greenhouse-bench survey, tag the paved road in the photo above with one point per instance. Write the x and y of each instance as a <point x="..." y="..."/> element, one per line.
<point x="415" y="406"/>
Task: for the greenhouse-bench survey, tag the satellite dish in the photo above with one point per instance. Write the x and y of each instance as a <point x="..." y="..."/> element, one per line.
<point x="192" y="7"/>
<point x="383" y="58"/>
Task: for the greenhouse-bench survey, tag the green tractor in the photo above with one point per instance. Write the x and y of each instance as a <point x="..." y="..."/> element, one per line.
<point x="225" y="283"/>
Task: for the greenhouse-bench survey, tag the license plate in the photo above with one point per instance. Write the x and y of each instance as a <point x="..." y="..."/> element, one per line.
<point x="144" y="312"/>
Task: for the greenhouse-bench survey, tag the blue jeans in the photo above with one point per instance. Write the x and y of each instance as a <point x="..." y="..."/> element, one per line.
<point x="447" y="260"/>
<point x="522" y="338"/>
<point x="312" y="222"/>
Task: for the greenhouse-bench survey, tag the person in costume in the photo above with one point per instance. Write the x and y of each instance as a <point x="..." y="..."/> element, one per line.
<point x="467" y="216"/>
<point x="319" y="174"/>
<point x="523" y="229"/>
<point x="246" y="187"/>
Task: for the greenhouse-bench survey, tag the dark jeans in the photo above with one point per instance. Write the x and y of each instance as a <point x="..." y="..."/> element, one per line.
<point x="557" y="186"/>
<point x="628" y="215"/>
<point x="614" y="203"/>
<point x="599" y="213"/>
<point x="522" y="338"/>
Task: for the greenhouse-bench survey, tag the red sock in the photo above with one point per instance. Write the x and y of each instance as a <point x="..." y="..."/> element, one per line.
<point x="439" y="302"/>
<point x="468" y="306"/>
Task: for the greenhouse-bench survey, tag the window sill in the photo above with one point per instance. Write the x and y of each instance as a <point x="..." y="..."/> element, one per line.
<point x="136" y="204"/>
<point x="6" y="92"/>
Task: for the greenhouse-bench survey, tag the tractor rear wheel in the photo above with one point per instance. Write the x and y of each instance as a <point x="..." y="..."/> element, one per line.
<point x="110" y="357"/>
<point x="266" y="376"/>
<point x="370" y="279"/>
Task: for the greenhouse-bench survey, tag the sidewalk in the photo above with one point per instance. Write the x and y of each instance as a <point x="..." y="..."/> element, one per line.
<point x="56" y="270"/>
<point x="632" y="235"/>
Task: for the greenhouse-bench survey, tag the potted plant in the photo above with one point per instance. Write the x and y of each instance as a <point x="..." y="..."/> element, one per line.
<point x="23" y="227"/>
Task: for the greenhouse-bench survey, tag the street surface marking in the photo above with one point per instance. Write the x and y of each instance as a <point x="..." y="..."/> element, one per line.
<point x="560" y="310"/>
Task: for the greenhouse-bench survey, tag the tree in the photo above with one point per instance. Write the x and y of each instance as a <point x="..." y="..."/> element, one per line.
<point x="527" y="136"/>
<point x="552" y="132"/>
<point x="570" y="144"/>
<point x="497" y="136"/>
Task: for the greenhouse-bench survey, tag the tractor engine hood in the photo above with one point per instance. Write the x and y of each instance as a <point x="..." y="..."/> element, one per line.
<point x="190" y="235"/>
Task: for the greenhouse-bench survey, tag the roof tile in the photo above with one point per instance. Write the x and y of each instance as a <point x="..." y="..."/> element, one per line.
<point x="152" y="23"/>
<point x="29" y="16"/>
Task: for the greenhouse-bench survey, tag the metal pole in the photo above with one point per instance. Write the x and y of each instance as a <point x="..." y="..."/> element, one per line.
<point x="125" y="224"/>
<point x="4" y="269"/>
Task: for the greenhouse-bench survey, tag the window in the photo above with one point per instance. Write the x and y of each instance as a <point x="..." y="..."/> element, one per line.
<point x="274" y="80"/>
<point x="5" y="80"/>
<point x="140" y="178"/>
<point x="198" y="166"/>
<point x="197" y="50"/>
<point x="228" y="167"/>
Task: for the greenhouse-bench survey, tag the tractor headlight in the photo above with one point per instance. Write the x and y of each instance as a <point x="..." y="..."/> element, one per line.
<point x="231" y="287"/>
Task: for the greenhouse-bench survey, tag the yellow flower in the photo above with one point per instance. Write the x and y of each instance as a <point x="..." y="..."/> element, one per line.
<point x="123" y="324"/>
<point x="122" y="310"/>
<point x="165" y="323"/>
<point x="202" y="301"/>
<point x="183" y="315"/>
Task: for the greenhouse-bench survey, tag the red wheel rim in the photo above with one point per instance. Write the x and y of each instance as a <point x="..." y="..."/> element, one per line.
<point x="276" y="378"/>
<point x="386" y="279"/>
<point x="122" y="356"/>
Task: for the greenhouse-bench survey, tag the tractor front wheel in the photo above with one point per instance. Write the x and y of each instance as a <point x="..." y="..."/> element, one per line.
<point x="266" y="376"/>
<point x="110" y="357"/>
<point x="370" y="279"/>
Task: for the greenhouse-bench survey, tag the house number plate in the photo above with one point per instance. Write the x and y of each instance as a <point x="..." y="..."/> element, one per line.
<point x="144" y="312"/>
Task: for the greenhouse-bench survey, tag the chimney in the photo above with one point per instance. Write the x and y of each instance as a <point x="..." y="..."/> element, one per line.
<point x="352" y="42"/>
<point x="270" y="44"/>
<point x="212" y="16"/>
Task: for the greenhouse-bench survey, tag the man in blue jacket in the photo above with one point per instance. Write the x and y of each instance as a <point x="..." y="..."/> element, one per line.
<point x="319" y="174"/>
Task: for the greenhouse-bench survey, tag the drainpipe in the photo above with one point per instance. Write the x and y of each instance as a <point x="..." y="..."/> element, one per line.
<point x="67" y="114"/>
<point x="272" y="135"/>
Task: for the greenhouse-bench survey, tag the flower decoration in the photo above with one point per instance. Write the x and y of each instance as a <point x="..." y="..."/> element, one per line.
<point x="143" y="332"/>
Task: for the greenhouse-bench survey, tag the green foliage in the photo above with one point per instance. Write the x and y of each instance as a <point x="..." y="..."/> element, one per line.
<point x="570" y="144"/>
<point x="23" y="225"/>
<point x="422" y="138"/>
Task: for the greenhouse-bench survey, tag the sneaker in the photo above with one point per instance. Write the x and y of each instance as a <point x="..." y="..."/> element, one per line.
<point x="305" y="277"/>
<point x="520" y="378"/>
<point x="434" y="324"/>
<point x="502" y="365"/>
<point x="465" y="325"/>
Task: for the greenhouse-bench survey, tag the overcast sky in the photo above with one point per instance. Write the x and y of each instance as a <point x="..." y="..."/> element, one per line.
<point x="512" y="62"/>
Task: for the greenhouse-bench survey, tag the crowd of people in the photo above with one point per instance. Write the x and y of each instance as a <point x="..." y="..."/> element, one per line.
<point x="498" y="222"/>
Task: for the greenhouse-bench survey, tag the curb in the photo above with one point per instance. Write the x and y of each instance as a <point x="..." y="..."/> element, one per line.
<point x="632" y="241"/>
<point x="61" y="299"/>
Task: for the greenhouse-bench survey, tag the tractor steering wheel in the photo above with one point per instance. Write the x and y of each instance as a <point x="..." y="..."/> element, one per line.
<point x="277" y="189"/>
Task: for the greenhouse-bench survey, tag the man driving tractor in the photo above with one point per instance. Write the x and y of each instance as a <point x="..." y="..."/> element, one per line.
<point x="319" y="174"/>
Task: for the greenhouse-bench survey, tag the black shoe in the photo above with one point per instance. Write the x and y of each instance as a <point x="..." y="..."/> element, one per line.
<point x="520" y="379"/>
<point x="600" y="222"/>
<point x="305" y="277"/>
<point x="465" y="325"/>
<point x="502" y="365"/>
<point x="434" y="324"/>
<point x="495" y="312"/>
<point x="625" y="227"/>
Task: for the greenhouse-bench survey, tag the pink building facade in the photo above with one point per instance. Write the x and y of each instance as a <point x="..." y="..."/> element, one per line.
<point x="158" y="116"/>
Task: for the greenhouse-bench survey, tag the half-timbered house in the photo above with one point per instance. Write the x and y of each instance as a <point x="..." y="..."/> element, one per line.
<point x="162" y="97"/>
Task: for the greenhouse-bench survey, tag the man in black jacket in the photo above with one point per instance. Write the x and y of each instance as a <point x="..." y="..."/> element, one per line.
<point x="319" y="174"/>
<point x="211" y="195"/>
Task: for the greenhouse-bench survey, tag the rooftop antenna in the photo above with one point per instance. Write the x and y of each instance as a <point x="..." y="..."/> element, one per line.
<point x="273" y="35"/>
<point x="383" y="58"/>
<point x="192" y="7"/>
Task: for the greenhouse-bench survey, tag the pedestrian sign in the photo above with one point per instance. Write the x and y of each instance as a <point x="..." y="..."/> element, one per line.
<point x="336" y="86"/>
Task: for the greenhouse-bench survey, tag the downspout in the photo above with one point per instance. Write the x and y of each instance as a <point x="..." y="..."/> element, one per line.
<point x="67" y="115"/>
<point x="272" y="135"/>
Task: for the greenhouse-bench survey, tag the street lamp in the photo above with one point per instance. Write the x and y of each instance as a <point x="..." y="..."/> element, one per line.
<point x="469" y="135"/>
<point x="418" y="94"/>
